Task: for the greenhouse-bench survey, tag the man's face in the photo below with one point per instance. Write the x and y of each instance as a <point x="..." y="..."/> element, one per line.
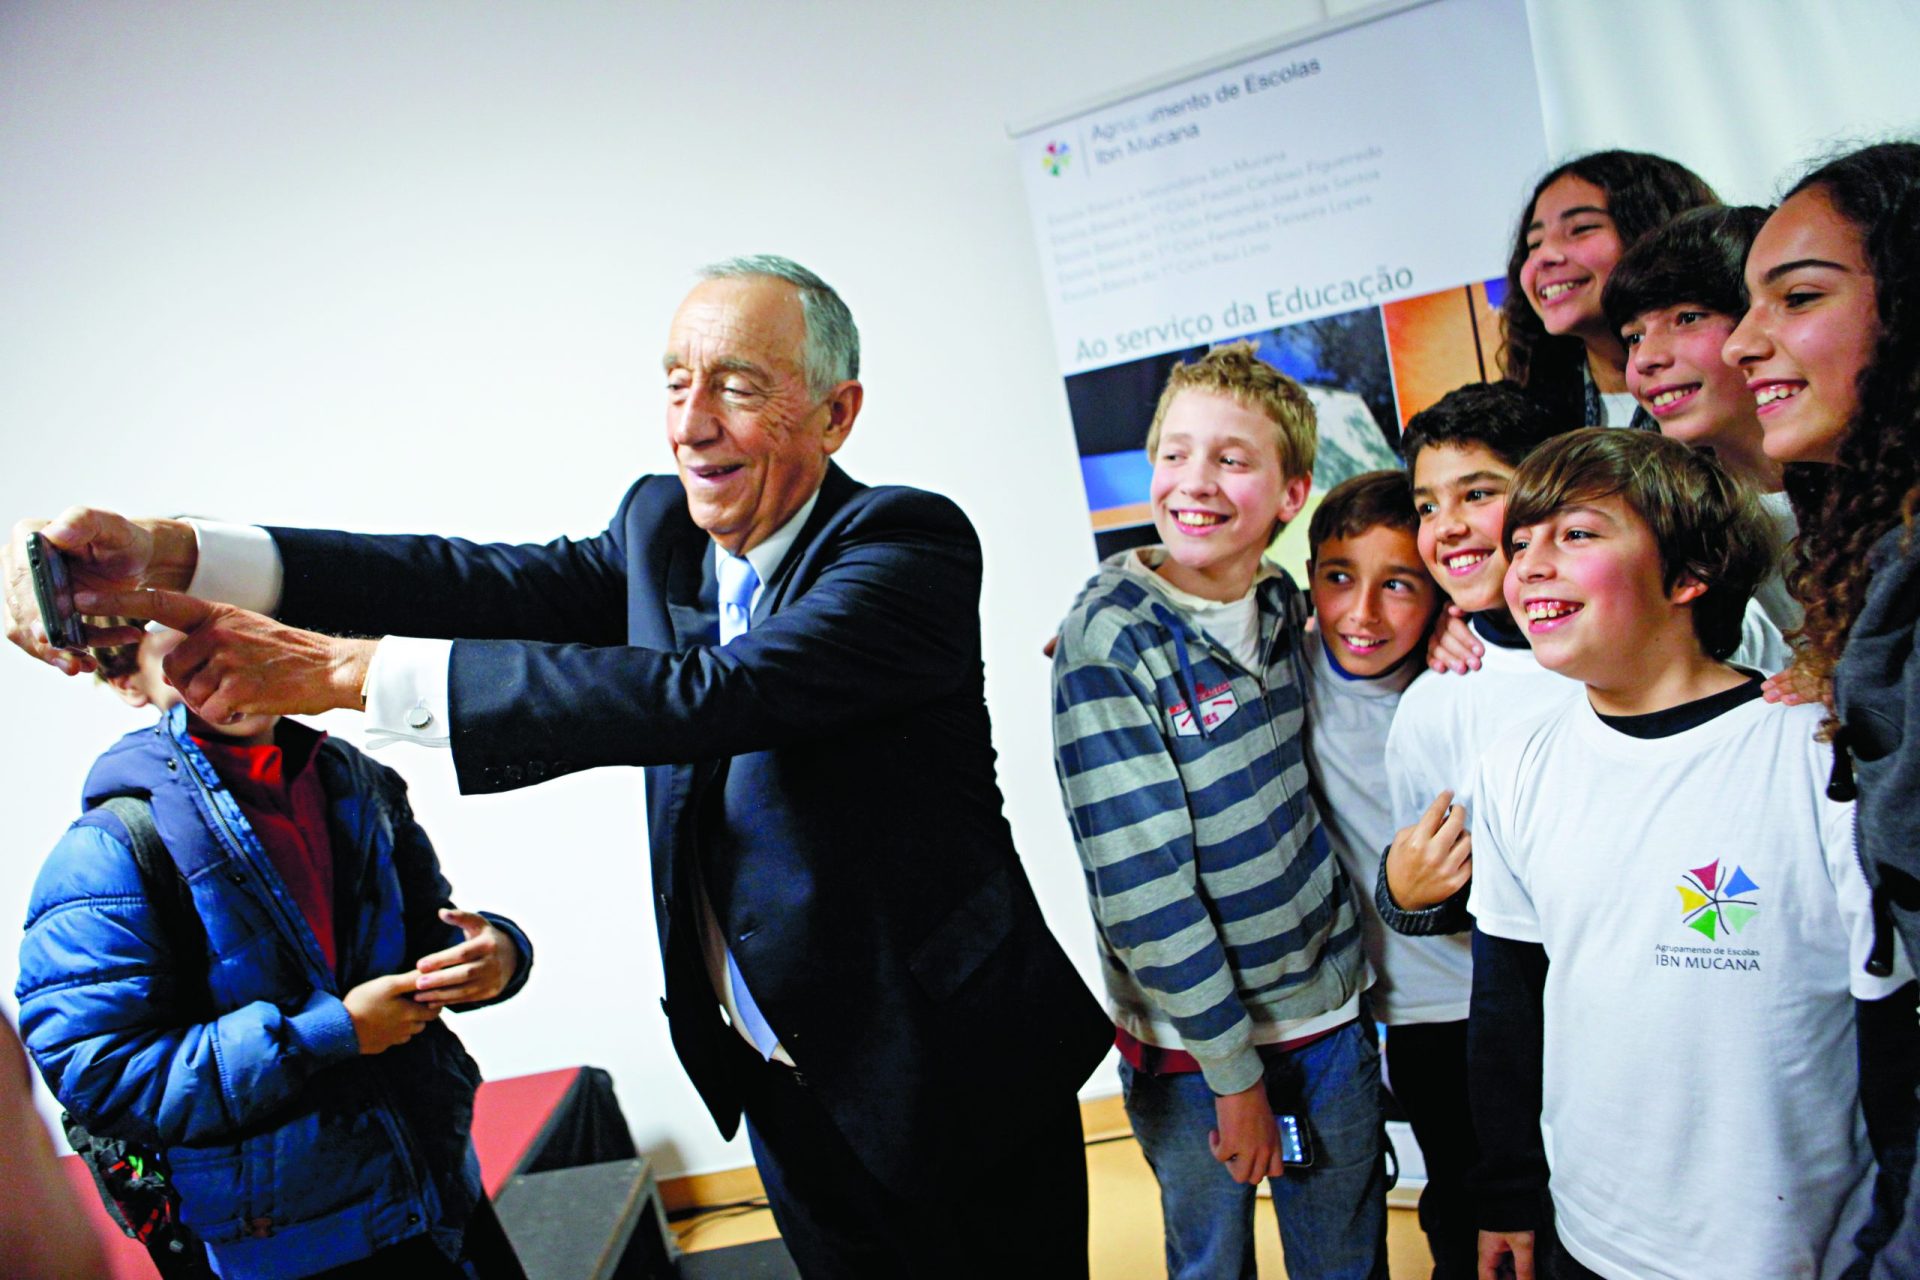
<point x="751" y="442"/>
<point x="1460" y="493"/>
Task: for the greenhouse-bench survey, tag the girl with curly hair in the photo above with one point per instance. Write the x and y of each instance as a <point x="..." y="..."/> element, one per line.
<point x="1556" y="340"/>
<point x="1830" y="347"/>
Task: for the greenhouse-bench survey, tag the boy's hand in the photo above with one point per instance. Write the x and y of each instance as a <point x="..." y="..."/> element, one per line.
<point x="1247" y="1141"/>
<point x="1795" y="686"/>
<point x="478" y="969"/>
<point x="235" y="662"/>
<point x="1505" y="1254"/>
<point x="385" y="1013"/>
<point x="1453" y="646"/>
<point x="1430" y="860"/>
<point x="104" y="551"/>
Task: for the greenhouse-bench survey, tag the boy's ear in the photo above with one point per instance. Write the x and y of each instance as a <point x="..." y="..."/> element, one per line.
<point x="1293" y="497"/>
<point x="1687" y="590"/>
<point x="128" y="687"/>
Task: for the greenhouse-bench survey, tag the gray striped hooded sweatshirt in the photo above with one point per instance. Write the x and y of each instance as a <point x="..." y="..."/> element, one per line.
<point x="1219" y="906"/>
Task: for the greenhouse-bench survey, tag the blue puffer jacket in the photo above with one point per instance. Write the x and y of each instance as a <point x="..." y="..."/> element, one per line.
<point x="292" y="1152"/>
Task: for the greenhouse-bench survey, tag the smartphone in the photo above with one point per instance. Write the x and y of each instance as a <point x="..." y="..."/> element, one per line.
<point x="53" y="591"/>
<point x="1296" y="1149"/>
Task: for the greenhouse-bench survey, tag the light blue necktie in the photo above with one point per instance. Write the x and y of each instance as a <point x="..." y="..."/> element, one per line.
<point x="738" y="582"/>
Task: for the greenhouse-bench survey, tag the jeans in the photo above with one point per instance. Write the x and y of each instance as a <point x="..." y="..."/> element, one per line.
<point x="1333" y="1216"/>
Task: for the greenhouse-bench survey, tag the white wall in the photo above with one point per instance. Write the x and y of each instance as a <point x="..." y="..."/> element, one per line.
<point x="407" y="267"/>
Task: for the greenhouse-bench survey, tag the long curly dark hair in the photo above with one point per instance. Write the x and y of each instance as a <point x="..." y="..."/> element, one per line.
<point x="1643" y="191"/>
<point x="1877" y="482"/>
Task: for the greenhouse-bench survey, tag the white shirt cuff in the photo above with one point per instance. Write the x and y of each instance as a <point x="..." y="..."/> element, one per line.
<point x="237" y="564"/>
<point x="407" y="692"/>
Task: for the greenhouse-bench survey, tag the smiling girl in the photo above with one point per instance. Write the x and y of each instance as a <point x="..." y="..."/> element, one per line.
<point x="1581" y="217"/>
<point x="1830" y="348"/>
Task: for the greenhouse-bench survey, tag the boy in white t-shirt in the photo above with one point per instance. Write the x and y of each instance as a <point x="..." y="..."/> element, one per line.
<point x="1671" y="921"/>
<point x="1374" y="603"/>
<point x="1460" y="453"/>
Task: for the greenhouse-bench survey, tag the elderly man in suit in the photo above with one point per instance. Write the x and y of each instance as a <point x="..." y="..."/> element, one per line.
<point x="854" y="957"/>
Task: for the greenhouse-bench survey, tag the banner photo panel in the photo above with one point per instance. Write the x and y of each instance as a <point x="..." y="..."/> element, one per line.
<point x="1290" y="199"/>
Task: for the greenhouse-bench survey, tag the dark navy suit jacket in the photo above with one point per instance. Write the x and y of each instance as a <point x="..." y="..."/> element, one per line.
<point x="830" y="773"/>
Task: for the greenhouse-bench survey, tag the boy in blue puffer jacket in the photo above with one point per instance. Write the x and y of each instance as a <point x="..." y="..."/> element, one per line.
<point x="311" y="1105"/>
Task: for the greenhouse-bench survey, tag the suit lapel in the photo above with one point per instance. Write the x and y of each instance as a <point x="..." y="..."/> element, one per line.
<point x="692" y="592"/>
<point x="835" y="492"/>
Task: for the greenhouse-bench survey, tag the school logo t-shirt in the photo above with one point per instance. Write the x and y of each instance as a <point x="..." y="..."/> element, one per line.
<point x="1705" y="925"/>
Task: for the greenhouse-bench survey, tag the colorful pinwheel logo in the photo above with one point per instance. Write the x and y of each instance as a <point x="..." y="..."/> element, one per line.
<point x="1710" y="903"/>
<point x="1056" y="157"/>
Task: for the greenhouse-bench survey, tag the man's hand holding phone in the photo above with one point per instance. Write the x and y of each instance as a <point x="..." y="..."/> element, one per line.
<point x="101" y="551"/>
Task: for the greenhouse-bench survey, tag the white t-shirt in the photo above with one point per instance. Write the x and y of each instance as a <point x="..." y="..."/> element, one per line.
<point x="1444" y="723"/>
<point x="1234" y="625"/>
<point x="1348" y="720"/>
<point x="1705" y="923"/>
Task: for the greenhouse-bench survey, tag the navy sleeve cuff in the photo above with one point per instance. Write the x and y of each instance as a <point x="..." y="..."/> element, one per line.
<point x="1450" y="916"/>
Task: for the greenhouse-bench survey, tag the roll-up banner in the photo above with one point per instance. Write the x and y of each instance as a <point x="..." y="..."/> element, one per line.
<point x="1345" y="200"/>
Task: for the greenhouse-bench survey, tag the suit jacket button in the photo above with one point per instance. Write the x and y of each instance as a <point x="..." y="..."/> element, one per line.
<point x="562" y="766"/>
<point x="514" y="773"/>
<point x="536" y="769"/>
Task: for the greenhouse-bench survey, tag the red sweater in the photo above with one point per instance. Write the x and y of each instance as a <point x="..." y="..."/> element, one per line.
<point x="279" y="791"/>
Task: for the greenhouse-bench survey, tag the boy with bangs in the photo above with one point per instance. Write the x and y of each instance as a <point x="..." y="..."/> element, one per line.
<point x="1675" y="298"/>
<point x="1462" y="454"/>
<point x="1374" y="604"/>
<point x="1666" y="963"/>
<point x="1229" y="935"/>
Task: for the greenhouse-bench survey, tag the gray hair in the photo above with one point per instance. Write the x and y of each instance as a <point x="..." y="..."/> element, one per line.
<point x="832" y="354"/>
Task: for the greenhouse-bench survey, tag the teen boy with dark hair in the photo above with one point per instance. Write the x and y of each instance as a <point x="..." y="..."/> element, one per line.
<point x="1675" y="297"/>
<point x="1461" y="453"/>
<point x="1671" y="919"/>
